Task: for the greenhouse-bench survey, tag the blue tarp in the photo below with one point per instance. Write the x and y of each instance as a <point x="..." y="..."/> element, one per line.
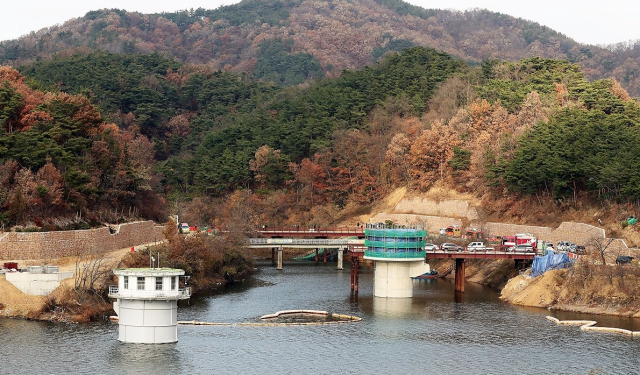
<point x="550" y="261"/>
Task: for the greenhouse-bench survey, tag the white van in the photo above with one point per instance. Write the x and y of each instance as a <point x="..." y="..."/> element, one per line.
<point x="183" y="228"/>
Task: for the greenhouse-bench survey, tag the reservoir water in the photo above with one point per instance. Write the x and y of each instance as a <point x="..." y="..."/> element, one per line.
<point x="434" y="332"/>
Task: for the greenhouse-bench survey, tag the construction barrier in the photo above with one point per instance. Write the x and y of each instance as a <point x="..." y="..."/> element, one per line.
<point x="340" y="319"/>
<point x="588" y="325"/>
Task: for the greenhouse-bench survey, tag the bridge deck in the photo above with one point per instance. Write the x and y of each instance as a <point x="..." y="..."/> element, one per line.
<point x="312" y="232"/>
<point x="356" y="248"/>
<point x="439" y="254"/>
<point x="300" y="243"/>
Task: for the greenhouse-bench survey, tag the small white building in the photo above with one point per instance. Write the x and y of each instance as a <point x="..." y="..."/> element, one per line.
<point x="147" y="304"/>
<point x="35" y="282"/>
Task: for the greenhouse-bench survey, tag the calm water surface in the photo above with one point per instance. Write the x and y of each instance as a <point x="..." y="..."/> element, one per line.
<point x="432" y="333"/>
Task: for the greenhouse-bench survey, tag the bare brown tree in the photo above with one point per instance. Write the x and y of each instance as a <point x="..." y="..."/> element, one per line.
<point x="601" y="247"/>
<point x="93" y="270"/>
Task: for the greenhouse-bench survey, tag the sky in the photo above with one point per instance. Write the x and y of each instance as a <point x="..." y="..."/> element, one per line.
<point x="608" y="22"/>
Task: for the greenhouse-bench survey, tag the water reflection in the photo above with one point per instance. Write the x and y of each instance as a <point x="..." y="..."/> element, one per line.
<point x="434" y="332"/>
<point x="392" y="307"/>
<point x="458" y="297"/>
<point x="154" y="358"/>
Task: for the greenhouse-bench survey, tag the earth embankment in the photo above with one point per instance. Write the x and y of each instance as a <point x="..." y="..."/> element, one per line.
<point x="601" y="290"/>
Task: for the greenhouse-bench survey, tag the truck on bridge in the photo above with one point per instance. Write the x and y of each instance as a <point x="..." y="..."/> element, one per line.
<point x="510" y="242"/>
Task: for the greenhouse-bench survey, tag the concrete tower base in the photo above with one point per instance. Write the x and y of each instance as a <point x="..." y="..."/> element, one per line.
<point x="148" y="322"/>
<point x="393" y="279"/>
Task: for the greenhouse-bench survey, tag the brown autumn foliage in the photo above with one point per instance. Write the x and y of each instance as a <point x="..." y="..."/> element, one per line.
<point x="208" y="260"/>
<point x="89" y="170"/>
<point x="431" y="152"/>
<point x="397" y="159"/>
<point x="71" y="306"/>
<point x="310" y="182"/>
<point x="264" y="157"/>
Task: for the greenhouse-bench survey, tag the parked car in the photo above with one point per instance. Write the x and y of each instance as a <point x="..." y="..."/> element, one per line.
<point x="478" y="246"/>
<point x="522" y="248"/>
<point x="430" y="247"/>
<point x="447" y="246"/>
<point x="183" y="228"/>
<point x="624" y="259"/>
<point x="565" y="246"/>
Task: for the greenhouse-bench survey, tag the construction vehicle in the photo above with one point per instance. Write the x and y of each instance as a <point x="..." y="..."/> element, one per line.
<point x="473" y="233"/>
<point x="453" y="231"/>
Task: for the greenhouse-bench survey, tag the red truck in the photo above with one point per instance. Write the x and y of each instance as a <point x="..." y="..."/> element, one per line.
<point x="509" y="242"/>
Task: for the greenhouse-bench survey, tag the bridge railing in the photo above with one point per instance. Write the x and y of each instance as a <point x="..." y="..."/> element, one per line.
<point x="483" y="251"/>
<point x="181" y="293"/>
<point x="312" y="229"/>
<point x="304" y="241"/>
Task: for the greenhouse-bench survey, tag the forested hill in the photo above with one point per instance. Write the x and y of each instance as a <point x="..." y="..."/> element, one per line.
<point x="87" y="135"/>
<point x="184" y="132"/>
<point x="290" y="41"/>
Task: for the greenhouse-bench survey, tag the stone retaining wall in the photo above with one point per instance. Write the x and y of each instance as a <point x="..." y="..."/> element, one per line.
<point x="503" y="229"/>
<point x="46" y="245"/>
<point x="431" y="223"/>
<point x="578" y="233"/>
<point x="448" y="207"/>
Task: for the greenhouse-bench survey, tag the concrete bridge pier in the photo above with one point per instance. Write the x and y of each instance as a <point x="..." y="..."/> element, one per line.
<point x="340" y="257"/>
<point x="522" y="264"/>
<point x="459" y="275"/>
<point x="279" y="266"/>
<point x="355" y="269"/>
<point x="317" y="258"/>
<point x="324" y="256"/>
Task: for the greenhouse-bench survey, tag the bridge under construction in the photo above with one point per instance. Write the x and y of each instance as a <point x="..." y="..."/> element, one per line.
<point x="352" y="240"/>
